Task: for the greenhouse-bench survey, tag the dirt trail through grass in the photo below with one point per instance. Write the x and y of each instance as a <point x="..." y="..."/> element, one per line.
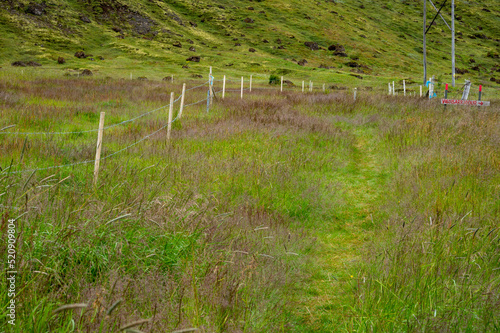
<point x="327" y="297"/>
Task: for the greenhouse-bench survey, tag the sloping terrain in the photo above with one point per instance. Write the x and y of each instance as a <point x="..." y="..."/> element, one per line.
<point x="345" y="40"/>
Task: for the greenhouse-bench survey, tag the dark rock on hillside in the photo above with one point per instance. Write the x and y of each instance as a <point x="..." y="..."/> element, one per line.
<point x="185" y="66"/>
<point x="85" y="19"/>
<point x="167" y="78"/>
<point x="176" y="18"/>
<point x="86" y="72"/>
<point x="278" y="41"/>
<point x="248" y="20"/>
<point x="251" y="50"/>
<point x="189" y="41"/>
<point x="312" y="45"/>
<point x="302" y="62"/>
<point x="460" y="70"/>
<point x="194" y="59"/>
<point x="357" y="76"/>
<point x="281" y="47"/>
<point x="177" y="44"/>
<point x="140" y="24"/>
<point x="197" y="76"/>
<point x="192" y="49"/>
<point x="61" y="60"/>
<point x="25" y="64"/>
<point x="352" y="64"/>
<point x="80" y="54"/>
<point x="265" y="41"/>
<point x="492" y="55"/>
<point x="116" y="29"/>
<point x="194" y="25"/>
<point x="495" y="80"/>
<point x="324" y="66"/>
<point x="237" y="44"/>
<point x="288" y="83"/>
<point x="142" y="78"/>
<point x="36" y="9"/>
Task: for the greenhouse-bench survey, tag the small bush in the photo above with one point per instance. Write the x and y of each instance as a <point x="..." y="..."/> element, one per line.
<point x="274" y="79"/>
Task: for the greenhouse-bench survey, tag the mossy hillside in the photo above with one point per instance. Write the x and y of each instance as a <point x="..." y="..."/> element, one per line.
<point x="384" y="40"/>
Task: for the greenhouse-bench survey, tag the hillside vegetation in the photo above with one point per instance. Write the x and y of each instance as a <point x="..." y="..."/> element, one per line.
<point x="349" y="40"/>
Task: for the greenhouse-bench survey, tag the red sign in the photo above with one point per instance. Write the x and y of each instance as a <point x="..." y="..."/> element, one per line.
<point x="461" y="102"/>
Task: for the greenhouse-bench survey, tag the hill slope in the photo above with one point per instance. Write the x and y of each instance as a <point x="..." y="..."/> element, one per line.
<point x="373" y="38"/>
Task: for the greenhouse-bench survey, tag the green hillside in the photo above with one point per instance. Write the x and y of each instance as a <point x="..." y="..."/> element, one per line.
<point x="375" y="40"/>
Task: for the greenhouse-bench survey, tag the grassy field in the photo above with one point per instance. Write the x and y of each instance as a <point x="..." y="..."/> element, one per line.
<point x="279" y="212"/>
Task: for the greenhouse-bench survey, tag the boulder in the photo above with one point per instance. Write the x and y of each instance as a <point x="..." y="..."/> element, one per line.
<point x="36" y="9"/>
<point x="86" y="72"/>
<point x="194" y="59"/>
<point x="25" y="64"/>
<point x="192" y="49"/>
<point x="61" y="60"/>
<point x="302" y="62"/>
<point x="313" y="46"/>
<point x="177" y="44"/>
<point x="85" y="19"/>
<point x="251" y="50"/>
<point x="80" y="54"/>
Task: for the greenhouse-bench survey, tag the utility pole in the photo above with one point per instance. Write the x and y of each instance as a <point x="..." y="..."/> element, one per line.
<point x="425" y="47"/>
<point x="453" y="43"/>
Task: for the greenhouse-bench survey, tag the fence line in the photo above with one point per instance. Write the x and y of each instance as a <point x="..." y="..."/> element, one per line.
<point x="106" y="127"/>
<point x="167" y="125"/>
<point x="6" y="171"/>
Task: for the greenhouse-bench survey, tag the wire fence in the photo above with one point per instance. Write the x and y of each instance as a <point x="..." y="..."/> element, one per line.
<point x="305" y="88"/>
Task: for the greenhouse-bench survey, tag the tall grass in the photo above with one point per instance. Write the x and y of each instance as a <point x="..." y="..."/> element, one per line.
<point x="278" y="212"/>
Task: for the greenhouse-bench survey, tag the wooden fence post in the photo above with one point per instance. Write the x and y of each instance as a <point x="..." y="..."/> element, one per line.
<point x="182" y="100"/>
<point x="98" y="148"/>
<point x="224" y="87"/>
<point x="170" y="113"/>
<point x="250" y="83"/>
<point x="242" y="87"/>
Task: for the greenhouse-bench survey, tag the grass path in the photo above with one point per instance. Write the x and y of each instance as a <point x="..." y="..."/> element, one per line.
<point x="326" y="298"/>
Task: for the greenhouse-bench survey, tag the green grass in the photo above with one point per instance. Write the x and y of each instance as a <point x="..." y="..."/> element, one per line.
<point x="280" y="212"/>
<point x="386" y="38"/>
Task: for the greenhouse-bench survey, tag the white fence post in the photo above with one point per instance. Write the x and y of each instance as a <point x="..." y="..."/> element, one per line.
<point x="281" y="90"/>
<point x="404" y="87"/>
<point x="420" y="90"/>
<point x="210" y="86"/>
<point x="224" y="87"/>
<point x="302" y="86"/>
<point x="98" y="148"/>
<point x="389" y="84"/>
<point x="324" y="87"/>
<point x="182" y="100"/>
<point x="250" y="83"/>
<point x="242" y="87"/>
<point x="393" y="90"/>
<point x="170" y="112"/>
<point x="355" y="90"/>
